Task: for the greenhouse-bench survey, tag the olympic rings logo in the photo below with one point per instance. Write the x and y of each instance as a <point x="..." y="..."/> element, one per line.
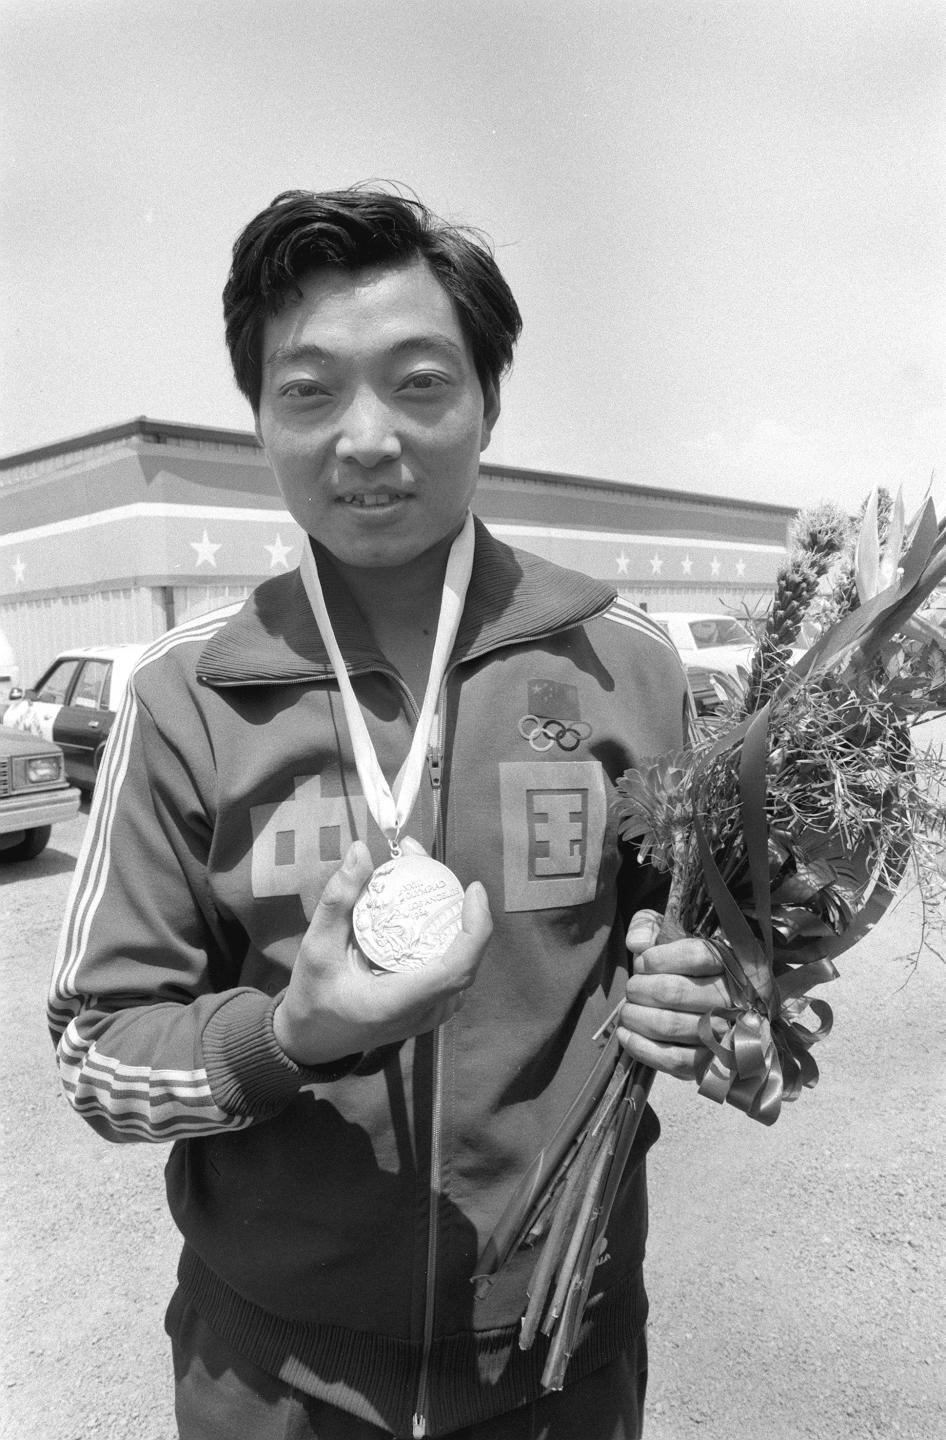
<point x="543" y="734"/>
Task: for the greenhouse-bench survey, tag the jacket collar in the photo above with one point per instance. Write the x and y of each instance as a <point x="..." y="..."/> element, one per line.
<point x="512" y="596"/>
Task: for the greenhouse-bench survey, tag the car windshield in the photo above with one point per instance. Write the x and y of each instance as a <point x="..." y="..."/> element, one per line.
<point x="719" y="630"/>
<point x="51" y="689"/>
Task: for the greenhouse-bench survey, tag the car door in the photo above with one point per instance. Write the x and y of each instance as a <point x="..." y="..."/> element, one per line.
<point x="35" y="712"/>
<point x="84" y="721"/>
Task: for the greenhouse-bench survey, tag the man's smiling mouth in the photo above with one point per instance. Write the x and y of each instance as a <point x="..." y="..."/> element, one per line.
<point x="372" y="501"/>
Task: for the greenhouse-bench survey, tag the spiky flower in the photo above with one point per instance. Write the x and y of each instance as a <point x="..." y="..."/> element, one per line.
<point x="795" y="588"/>
<point x="820" y="532"/>
<point x="817" y="536"/>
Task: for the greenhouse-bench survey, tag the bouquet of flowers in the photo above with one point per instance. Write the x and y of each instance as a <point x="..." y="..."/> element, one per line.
<point x="786" y="826"/>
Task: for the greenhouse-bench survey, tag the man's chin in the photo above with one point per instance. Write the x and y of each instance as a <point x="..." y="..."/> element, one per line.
<point x="393" y="553"/>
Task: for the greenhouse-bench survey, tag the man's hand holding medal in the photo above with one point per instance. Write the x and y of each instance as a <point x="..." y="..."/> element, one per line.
<point x="337" y="1003"/>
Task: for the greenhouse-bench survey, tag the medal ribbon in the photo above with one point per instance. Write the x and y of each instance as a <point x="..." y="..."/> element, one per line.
<point x="391" y="810"/>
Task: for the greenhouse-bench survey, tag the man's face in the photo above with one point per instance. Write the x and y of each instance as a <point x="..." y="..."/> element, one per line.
<point x="371" y="412"/>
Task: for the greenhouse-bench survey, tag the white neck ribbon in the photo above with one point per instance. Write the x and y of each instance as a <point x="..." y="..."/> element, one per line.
<point x="391" y="809"/>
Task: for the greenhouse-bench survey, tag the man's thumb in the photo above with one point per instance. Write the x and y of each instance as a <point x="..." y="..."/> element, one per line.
<point x="466" y="951"/>
<point x="342" y="890"/>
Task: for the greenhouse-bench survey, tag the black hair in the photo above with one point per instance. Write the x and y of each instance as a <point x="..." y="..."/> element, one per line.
<point x="356" y="229"/>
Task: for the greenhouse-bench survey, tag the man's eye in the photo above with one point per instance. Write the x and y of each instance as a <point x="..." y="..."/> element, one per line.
<point x="303" y="390"/>
<point x="423" y="382"/>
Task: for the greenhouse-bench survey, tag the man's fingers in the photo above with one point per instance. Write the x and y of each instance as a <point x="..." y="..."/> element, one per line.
<point x="466" y="951"/>
<point x="679" y="957"/>
<point x="342" y="889"/>
<point x="476" y="919"/>
<point x="685" y="956"/>
<point x="440" y="982"/>
<point x="668" y="1027"/>
<point x="684" y="1062"/>
<point x="694" y="994"/>
<point x="643" y="930"/>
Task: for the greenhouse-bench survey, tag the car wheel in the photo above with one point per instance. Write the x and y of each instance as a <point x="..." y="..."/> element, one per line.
<point x="34" y="842"/>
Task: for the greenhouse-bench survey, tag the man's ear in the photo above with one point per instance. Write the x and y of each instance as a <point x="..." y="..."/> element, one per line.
<point x="491" y="409"/>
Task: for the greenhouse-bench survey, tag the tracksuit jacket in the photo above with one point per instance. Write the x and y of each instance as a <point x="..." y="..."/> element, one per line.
<point x="332" y="1217"/>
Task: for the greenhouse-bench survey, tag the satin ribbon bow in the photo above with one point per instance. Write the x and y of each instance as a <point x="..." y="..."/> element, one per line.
<point x="760" y="1054"/>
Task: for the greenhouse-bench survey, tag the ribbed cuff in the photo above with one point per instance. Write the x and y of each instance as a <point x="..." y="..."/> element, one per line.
<point x="249" y="1072"/>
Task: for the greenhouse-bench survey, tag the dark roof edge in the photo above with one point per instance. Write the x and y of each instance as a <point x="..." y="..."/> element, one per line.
<point x="632" y="487"/>
<point x="142" y="425"/>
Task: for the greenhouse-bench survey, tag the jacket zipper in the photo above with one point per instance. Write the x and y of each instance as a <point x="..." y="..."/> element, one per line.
<point x="419" y="1418"/>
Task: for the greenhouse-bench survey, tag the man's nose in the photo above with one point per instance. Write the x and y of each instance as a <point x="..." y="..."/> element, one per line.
<point x="368" y="433"/>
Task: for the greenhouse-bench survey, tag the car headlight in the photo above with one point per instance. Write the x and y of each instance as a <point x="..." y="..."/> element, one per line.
<point x="43" y="768"/>
<point x="37" y="770"/>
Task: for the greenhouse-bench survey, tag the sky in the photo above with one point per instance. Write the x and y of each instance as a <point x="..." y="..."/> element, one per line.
<point x="724" y="220"/>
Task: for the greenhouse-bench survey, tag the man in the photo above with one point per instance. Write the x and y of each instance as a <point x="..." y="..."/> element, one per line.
<point x="346" y="1137"/>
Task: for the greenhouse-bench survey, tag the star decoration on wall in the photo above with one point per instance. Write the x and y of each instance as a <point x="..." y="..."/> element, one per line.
<point x="740" y="568"/>
<point x="278" y="553"/>
<point x="622" y="563"/>
<point x="656" y="564"/>
<point x="715" y="567"/>
<point x="19" y="570"/>
<point x="205" y="550"/>
<point x="686" y="565"/>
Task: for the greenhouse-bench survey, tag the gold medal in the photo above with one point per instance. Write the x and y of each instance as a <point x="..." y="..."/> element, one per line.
<point x="408" y="913"/>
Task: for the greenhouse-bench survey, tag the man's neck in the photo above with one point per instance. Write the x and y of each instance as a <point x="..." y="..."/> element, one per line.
<point x="401" y="607"/>
<point x="409" y="593"/>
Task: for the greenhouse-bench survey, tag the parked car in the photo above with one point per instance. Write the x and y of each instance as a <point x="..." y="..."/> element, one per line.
<point x="714" y="649"/>
<point x="34" y="794"/>
<point x="708" y="641"/>
<point x="74" y="703"/>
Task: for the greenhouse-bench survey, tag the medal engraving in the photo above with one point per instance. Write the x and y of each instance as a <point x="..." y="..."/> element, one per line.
<point x="408" y="913"/>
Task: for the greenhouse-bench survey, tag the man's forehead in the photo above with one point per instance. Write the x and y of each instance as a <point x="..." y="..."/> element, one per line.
<point x="400" y="307"/>
<point x="341" y="284"/>
<point x="428" y="343"/>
